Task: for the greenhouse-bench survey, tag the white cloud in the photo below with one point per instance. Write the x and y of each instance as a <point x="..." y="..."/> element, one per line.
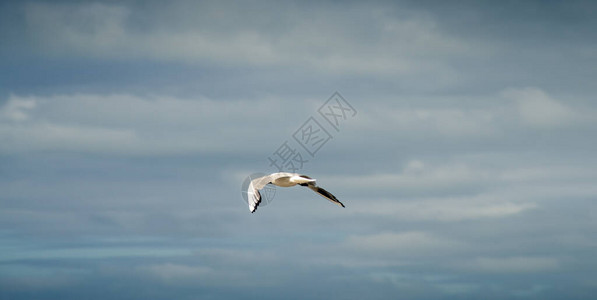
<point x="176" y="273"/>
<point x="421" y="122"/>
<point x="92" y="253"/>
<point x="44" y="136"/>
<point x="457" y="288"/>
<point x="16" y="109"/>
<point x="123" y="123"/>
<point x="417" y="175"/>
<point x="223" y="266"/>
<point x="530" y="291"/>
<point x="91" y="27"/>
<point x="129" y="124"/>
<point x="305" y="38"/>
<point x="444" y="209"/>
<point x="539" y="109"/>
<point x="452" y="192"/>
<point x="24" y="276"/>
<point x="518" y="264"/>
<point x="401" y="243"/>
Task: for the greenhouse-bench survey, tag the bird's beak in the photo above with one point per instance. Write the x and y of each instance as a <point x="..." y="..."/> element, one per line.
<point x="299" y="179"/>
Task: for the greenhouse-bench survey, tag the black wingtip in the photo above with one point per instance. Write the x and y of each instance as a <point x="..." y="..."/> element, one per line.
<point x="258" y="202"/>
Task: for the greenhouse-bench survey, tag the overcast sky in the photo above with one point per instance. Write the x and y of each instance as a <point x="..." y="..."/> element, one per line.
<point x="467" y="163"/>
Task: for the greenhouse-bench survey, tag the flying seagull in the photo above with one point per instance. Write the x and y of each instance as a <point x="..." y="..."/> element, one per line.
<point x="283" y="179"/>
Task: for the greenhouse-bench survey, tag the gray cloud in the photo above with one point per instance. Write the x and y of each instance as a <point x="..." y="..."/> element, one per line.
<point x="127" y="128"/>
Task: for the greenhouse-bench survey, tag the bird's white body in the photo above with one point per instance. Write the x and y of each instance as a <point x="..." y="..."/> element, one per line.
<point x="283" y="179"/>
<point x="290" y="179"/>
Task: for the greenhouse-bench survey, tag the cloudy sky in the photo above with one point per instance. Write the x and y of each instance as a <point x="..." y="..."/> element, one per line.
<point x="128" y="127"/>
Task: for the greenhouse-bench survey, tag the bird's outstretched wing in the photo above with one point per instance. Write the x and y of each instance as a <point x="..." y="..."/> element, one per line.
<point x="253" y="195"/>
<point x="324" y="193"/>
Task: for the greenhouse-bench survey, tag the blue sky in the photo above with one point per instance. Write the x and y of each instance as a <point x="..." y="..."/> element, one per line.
<point x="128" y="127"/>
